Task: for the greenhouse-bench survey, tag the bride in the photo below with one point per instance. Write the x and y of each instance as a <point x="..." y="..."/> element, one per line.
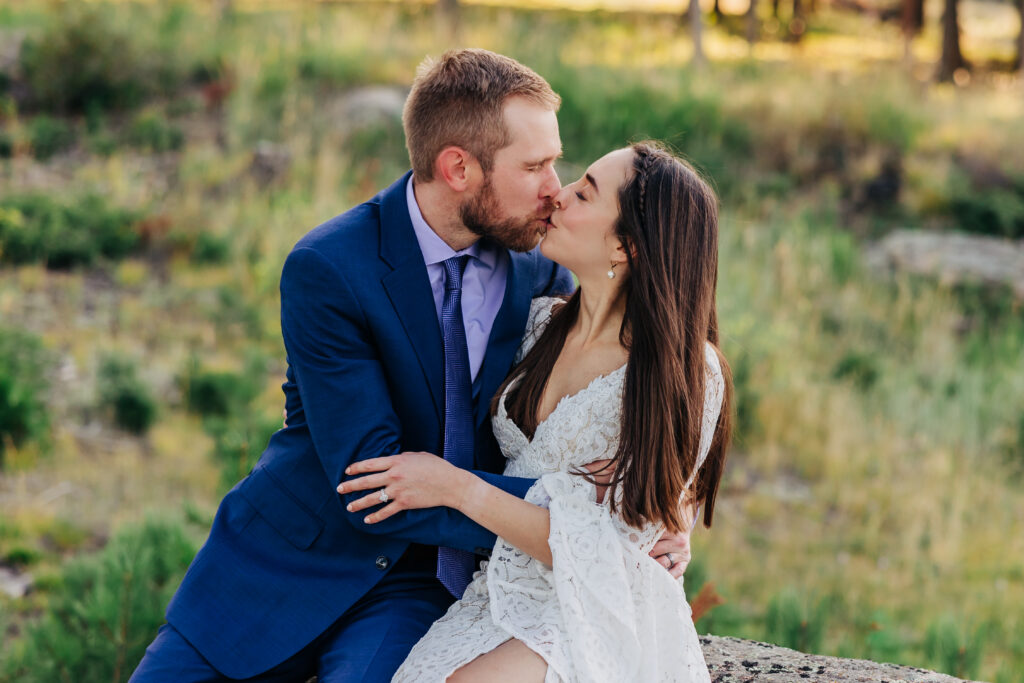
<point x="619" y="407"/>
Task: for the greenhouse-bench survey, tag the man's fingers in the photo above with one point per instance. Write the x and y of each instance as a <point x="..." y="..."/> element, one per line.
<point x="371" y="481"/>
<point x="665" y="545"/>
<point x="678" y="569"/>
<point x="665" y="562"/>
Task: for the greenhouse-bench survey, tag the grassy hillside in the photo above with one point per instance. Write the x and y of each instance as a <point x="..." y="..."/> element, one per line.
<point x="873" y="505"/>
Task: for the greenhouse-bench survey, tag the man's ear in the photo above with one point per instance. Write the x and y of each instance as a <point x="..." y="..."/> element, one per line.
<point x="457" y="168"/>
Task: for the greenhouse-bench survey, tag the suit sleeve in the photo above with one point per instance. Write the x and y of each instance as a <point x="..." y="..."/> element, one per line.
<point x="346" y="400"/>
<point x="560" y="282"/>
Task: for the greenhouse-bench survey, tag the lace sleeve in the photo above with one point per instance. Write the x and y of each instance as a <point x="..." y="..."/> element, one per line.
<point x="540" y="315"/>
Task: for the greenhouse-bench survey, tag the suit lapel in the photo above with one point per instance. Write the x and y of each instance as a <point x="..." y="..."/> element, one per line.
<point x="408" y="288"/>
<point x="507" y="332"/>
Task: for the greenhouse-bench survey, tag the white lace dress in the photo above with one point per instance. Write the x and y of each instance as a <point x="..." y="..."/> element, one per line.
<point x="605" y="611"/>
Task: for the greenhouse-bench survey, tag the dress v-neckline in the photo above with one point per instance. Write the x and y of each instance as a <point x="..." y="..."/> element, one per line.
<point x="565" y="400"/>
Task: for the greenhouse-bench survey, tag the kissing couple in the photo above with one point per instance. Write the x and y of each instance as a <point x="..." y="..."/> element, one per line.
<point x="487" y="473"/>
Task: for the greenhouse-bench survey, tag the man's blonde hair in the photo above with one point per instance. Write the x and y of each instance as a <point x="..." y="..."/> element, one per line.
<point x="458" y="100"/>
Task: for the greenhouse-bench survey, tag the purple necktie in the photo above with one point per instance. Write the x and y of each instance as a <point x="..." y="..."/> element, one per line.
<point x="454" y="566"/>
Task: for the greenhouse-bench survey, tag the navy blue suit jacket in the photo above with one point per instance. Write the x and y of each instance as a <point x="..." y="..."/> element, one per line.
<point x="284" y="559"/>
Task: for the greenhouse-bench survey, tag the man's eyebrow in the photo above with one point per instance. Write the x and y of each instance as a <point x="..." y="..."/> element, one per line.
<point x="541" y="162"/>
<point x="593" y="183"/>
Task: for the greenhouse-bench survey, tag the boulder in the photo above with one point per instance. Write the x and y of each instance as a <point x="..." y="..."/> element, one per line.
<point x="952" y="258"/>
<point x="734" y="660"/>
<point x="368" y="106"/>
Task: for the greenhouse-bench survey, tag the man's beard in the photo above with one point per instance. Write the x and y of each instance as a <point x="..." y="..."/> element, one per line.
<point x="481" y="215"/>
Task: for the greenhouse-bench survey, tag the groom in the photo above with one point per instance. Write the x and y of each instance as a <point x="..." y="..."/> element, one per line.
<point x="400" y="319"/>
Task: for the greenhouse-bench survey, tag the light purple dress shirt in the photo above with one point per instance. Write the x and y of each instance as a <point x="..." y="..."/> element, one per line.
<point x="483" y="284"/>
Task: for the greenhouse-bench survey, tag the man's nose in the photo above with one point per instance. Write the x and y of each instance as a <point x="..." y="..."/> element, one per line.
<point x="551" y="185"/>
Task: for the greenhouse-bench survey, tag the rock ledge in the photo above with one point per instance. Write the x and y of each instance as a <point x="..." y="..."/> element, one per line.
<point x="734" y="660"/>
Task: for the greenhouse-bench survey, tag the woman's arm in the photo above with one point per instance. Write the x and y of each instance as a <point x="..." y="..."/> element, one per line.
<point x="522" y="524"/>
<point x="423" y="480"/>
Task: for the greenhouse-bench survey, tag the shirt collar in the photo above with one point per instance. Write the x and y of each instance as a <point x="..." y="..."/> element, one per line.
<point x="434" y="249"/>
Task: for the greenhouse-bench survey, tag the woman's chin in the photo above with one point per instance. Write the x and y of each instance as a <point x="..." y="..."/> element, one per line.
<point x="546" y="247"/>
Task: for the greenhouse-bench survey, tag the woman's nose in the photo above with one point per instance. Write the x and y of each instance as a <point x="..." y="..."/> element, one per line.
<point x="560" y="198"/>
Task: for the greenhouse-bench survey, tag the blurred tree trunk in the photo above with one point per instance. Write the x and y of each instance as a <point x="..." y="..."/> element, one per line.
<point x="916" y="15"/>
<point x="696" y="28"/>
<point x="798" y="23"/>
<point x="717" y="10"/>
<point x="449" y="15"/>
<point x="952" y="58"/>
<point x="911" y="23"/>
<point x="1020" y="37"/>
<point x="752" y="27"/>
<point x="775" y="9"/>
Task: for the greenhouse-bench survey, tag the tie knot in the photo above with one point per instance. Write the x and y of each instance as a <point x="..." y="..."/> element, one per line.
<point x="453" y="270"/>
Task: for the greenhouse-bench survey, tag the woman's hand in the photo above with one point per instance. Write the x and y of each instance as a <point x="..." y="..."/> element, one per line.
<point x="408" y="481"/>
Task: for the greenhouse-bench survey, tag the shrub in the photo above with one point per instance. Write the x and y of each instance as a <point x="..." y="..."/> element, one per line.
<point x="213" y="393"/>
<point x="105" y="608"/>
<point x="211" y="249"/>
<point x="884" y="642"/>
<point x="861" y="368"/>
<point x="225" y="401"/>
<point x="747" y="398"/>
<point x="238" y="442"/>
<point x="48" y="136"/>
<point x="109" y="63"/>
<point x="791" y="622"/>
<point x="35" y="228"/>
<point x="951" y="649"/>
<point x="6" y="145"/>
<point x="154" y="133"/>
<point x="378" y="151"/>
<point x="996" y="209"/>
<point x="23" y="383"/>
<point x="123" y="394"/>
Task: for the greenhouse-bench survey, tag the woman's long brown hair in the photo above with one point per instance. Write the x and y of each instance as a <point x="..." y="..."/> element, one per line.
<point x="668" y="223"/>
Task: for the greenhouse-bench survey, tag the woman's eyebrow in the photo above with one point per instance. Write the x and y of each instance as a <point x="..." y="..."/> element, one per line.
<point x="593" y="183"/>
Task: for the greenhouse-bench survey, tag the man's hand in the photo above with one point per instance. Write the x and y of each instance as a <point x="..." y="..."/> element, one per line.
<point x="672" y="551"/>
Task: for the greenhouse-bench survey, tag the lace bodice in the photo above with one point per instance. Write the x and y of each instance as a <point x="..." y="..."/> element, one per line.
<point x="582" y="428"/>
<point x="585" y="426"/>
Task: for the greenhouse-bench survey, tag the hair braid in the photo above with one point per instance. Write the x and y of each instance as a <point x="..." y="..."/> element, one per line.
<point x="644" y="160"/>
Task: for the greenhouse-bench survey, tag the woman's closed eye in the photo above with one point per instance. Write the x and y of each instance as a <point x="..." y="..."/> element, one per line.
<point x="580" y="195"/>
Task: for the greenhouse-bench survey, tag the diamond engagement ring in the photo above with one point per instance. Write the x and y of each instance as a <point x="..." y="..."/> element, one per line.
<point x="383" y="495"/>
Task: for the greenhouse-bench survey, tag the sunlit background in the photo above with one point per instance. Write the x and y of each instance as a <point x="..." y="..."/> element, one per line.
<point x="158" y="160"/>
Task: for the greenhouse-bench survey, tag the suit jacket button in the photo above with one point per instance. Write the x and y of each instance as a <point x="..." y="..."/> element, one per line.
<point x="382" y="562"/>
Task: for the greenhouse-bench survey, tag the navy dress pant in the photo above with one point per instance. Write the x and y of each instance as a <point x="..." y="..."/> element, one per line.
<point x="366" y="644"/>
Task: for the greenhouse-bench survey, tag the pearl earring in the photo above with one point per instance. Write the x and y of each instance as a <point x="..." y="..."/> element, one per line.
<point x="611" y="271"/>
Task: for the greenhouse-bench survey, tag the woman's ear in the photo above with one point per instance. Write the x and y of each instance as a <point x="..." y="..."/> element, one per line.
<point x="457" y="168"/>
<point x="619" y="254"/>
